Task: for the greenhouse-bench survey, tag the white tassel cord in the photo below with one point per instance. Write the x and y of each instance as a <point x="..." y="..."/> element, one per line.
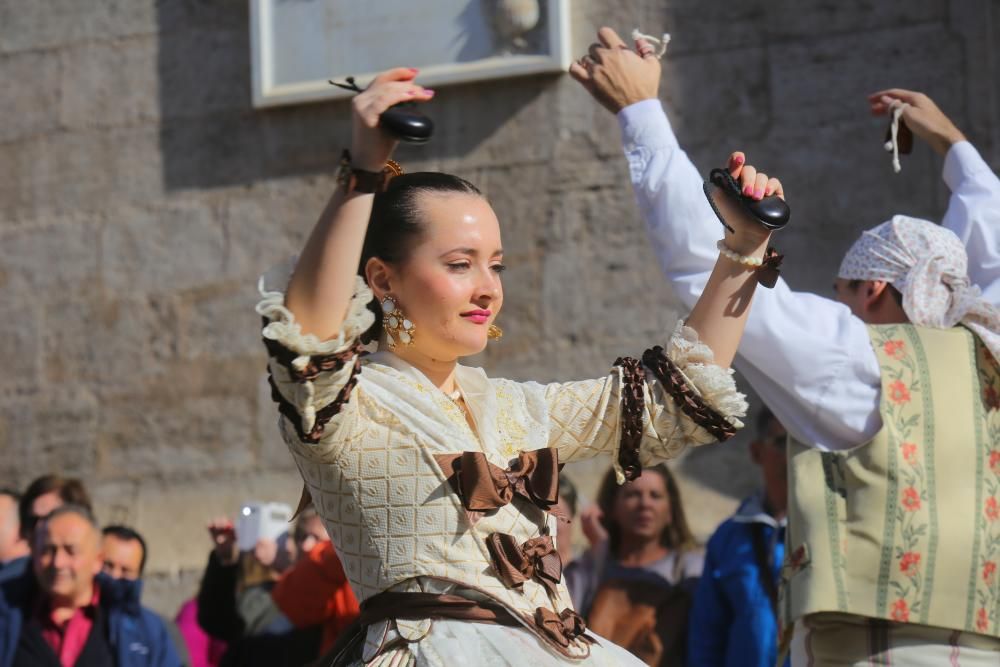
<point x="662" y="41"/>
<point x="893" y="143"/>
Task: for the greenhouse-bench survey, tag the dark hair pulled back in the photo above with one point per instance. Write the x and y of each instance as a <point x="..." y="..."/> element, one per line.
<point x="395" y="226"/>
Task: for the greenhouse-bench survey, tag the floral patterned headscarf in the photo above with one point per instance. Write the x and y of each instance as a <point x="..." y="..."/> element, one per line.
<point x="928" y="265"/>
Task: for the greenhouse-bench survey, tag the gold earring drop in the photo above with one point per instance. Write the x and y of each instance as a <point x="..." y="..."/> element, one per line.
<point x="395" y="324"/>
<point x="494" y="332"/>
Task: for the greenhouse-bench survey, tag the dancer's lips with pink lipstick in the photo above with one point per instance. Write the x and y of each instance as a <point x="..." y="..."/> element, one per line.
<point x="478" y="316"/>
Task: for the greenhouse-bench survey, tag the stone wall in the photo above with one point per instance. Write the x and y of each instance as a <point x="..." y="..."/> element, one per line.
<point x="141" y="195"/>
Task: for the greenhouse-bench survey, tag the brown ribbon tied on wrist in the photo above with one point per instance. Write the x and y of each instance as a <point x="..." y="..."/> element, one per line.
<point x="563" y="627"/>
<point x="517" y="563"/>
<point x="482" y="486"/>
<point x="767" y="272"/>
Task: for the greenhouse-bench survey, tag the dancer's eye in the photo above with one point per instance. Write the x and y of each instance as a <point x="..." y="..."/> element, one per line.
<point x="499" y="268"/>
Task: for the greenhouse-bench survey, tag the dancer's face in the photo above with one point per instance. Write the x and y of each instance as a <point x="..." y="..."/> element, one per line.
<point x="850" y="295"/>
<point x="449" y="287"/>
<point x="642" y="507"/>
<point x="872" y="301"/>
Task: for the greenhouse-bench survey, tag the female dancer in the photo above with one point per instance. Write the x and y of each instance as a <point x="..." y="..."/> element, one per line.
<point x="437" y="483"/>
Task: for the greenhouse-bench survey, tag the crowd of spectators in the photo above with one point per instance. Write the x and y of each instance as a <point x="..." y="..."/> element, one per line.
<point x="71" y="589"/>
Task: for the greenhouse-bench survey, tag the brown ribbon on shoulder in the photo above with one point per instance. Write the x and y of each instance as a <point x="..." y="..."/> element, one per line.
<point x="483" y="486"/>
<point x="767" y="272"/>
<point x="516" y="563"/>
<point x="563" y="627"/>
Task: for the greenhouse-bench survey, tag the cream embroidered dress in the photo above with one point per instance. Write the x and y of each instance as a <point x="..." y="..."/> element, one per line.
<point x="370" y="434"/>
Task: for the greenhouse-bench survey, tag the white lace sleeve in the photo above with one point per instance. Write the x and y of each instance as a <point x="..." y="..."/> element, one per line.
<point x="713" y="383"/>
<point x="646" y="411"/>
<point x="312" y="380"/>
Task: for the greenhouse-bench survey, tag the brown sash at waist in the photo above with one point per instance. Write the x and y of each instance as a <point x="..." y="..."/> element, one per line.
<point x="416" y="606"/>
<point x="412" y="606"/>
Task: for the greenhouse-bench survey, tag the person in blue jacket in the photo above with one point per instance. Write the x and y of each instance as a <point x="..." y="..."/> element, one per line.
<point x="64" y="611"/>
<point x="732" y="621"/>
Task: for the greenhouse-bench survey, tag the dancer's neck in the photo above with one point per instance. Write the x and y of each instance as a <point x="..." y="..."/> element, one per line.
<point x="440" y="372"/>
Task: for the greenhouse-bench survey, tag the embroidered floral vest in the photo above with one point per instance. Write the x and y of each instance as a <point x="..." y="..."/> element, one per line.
<point x="906" y="527"/>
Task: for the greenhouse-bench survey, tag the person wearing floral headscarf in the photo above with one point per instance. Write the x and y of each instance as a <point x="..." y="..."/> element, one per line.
<point x="890" y="396"/>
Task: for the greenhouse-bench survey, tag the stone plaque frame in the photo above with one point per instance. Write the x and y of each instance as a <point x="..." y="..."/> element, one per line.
<point x="276" y="83"/>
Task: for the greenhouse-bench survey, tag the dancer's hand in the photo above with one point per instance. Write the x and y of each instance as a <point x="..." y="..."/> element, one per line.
<point x="750" y="234"/>
<point x="921" y="115"/>
<point x="616" y="75"/>
<point x="371" y="146"/>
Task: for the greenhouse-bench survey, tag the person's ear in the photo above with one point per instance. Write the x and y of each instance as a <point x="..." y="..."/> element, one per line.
<point x="98" y="562"/>
<point x="874" y="289"/>
<point x="379" y="275"/>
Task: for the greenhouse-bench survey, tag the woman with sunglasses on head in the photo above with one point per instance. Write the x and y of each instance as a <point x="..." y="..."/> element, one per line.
<point x="438" y="484"/>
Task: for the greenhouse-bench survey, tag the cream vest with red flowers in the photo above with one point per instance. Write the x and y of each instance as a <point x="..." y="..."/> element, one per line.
<point x="906" y="527"/>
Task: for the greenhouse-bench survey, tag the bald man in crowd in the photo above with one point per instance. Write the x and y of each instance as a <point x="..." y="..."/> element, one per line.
<point x="68" y="613"/>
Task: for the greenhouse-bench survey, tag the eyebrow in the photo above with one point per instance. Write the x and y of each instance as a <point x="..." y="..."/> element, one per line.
<point x="471" y="251"/>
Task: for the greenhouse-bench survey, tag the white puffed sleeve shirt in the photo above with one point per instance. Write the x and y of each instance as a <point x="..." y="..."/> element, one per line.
<point x="808" y="357"/>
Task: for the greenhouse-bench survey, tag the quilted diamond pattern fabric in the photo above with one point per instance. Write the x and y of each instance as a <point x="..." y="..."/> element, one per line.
<point x="390" y="511"/>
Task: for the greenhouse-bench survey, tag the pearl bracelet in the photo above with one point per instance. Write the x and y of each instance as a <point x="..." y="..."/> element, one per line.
<point x="745" y="260"/>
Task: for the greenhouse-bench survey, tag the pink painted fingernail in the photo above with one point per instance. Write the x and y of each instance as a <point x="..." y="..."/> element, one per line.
<point x="748" y="191"/>
<point x="414" y="70"/>
<point x="738" y="159"/>
<point x="758" y="193"/>
<point x="428" y="91"/>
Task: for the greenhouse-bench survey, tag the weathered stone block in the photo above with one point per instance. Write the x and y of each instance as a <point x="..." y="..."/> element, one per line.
<point x="54" y="430"/>
<point x="223" y="79"/>
<point x="176" y="247"/>
<point x="20" y="354"/>
<point x="54" y="173"/>
<point x="135" y="166"/>
<point x="49" y="260"/>
<point x="268" y="224"/>
<point x="222" y="325"/>
<point x="106" y="84"/>
<point x="56" y="23"/>
<point x="33" y="110"/>
<point x="827" y="80"/>
<point x="109" y="342"/>
<point x="142" y="436"/>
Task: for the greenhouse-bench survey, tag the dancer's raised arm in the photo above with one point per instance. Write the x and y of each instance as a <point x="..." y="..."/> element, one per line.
<point x="974" y="207"/>
<point x="324" y="279"/>
<point x="818" y="388"/>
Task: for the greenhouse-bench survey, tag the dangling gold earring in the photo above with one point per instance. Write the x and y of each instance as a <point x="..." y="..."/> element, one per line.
<point x="395" y="324"/>
<point x="494" y="332"/>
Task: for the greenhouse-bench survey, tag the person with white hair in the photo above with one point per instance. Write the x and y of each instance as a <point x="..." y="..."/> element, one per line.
<point x="889" y="392"/>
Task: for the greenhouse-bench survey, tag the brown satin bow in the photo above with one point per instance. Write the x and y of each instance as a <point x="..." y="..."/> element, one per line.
<point x="516" y="563"/>
<point x="767" y="272"/>
<point x="562" y="627"/>
<point x="483" y="486"/>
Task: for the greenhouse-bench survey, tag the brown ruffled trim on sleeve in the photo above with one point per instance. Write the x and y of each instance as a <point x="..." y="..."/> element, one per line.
<point x="633" y="406"/>
<point x="692" y="405"/>
<point x="323" y="415"/>
<point x="317" y="364"/>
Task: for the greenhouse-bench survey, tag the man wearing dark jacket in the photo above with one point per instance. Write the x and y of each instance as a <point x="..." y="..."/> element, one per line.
<point x="14" y="549"/>
<point x="66" y="613"/>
